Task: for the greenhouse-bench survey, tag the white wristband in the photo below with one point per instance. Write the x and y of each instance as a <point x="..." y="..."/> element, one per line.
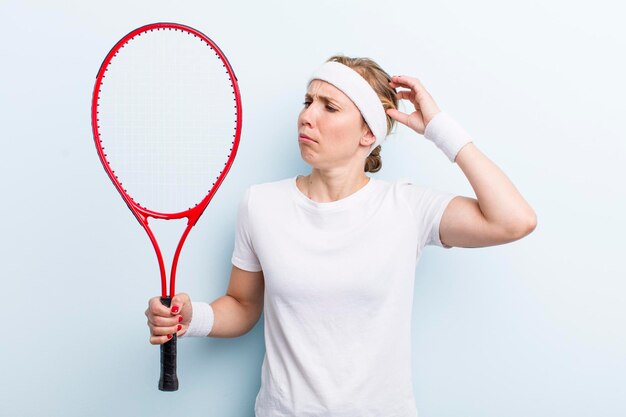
<point x="201" y="320"/>
<point x="447" y="134"/>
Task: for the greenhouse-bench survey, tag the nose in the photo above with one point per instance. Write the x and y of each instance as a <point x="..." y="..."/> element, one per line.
<point x="306" y="116"/>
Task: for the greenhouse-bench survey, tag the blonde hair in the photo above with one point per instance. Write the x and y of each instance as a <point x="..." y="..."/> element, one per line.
<point x="379" y="80"/>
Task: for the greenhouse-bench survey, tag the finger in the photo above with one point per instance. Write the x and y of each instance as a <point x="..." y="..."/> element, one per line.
<point x="398" y="116"/>
<point x="164" y="331"/>
<point x="159" y="321"/>
<point x="159" y="340"/>
<point x="398" y="85"/>
<point x="406" y="81"/>
<point x="182" y="331"/>
<point x="406" y="95"/>
<point x="414" y="85"/>
<point x="179" y="301"/>
<point x="156" y="308"/>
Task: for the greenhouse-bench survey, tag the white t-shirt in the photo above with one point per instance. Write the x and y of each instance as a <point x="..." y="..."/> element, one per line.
<point x="338" y="294"/>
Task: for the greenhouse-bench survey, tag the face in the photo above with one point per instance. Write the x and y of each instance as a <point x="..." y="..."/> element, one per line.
<point x="338" y="134"/>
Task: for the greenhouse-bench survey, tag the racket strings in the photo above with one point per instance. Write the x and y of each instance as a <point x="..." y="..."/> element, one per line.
<point x="167" y="119"/>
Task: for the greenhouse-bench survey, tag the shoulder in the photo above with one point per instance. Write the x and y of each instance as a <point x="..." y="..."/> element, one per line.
<point x="267" y="192"/>
<point x="412" y="190"/>
<point x="421" y="199"/>
<point x="402" y="189"/>
<point x="271" y="187"/>
<point x="400" y="193"/>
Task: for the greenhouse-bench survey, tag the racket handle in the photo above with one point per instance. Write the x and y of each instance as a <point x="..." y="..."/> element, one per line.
<point x="168" y="380"/>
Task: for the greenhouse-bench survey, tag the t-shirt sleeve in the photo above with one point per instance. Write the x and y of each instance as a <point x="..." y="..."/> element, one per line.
<point x="428" y="205"/>
<point x="244" y="256"/>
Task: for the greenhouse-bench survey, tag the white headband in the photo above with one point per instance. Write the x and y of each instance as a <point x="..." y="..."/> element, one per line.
<point x="353" y="85"/>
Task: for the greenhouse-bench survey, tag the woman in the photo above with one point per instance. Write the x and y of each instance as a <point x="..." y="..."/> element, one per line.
<point x="332" y="255"/>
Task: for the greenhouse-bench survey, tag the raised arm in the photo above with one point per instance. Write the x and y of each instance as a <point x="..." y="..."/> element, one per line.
<point x="499" y="214"/>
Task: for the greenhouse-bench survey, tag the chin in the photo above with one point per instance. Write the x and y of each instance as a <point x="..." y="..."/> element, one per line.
<point x="307" y="156"/>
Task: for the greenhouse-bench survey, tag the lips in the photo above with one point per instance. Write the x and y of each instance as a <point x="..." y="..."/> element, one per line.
<point x="305" y="138"/>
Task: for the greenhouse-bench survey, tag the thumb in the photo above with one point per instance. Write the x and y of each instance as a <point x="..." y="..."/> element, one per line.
<point x="179" y="303"/>
<point x="398" y="116"/>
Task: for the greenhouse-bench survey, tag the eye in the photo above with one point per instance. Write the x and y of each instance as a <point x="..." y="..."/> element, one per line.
<point x="331" y="109"/>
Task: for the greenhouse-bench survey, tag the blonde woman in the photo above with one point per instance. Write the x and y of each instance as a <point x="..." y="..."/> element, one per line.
<point x="330" y="256"/>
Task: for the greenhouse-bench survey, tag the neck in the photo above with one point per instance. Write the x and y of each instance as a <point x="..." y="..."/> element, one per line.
<point x="331" y="185"/>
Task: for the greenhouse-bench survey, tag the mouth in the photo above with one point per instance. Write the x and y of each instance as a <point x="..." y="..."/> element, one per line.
<point x="305" y="138"/>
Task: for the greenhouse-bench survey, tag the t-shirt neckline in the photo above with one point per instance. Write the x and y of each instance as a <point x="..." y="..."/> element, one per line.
<point x="340" y="204"/>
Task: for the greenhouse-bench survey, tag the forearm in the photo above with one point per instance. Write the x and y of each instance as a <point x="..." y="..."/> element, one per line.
<point x="499" y="200"/>
<point x="231" y="318"/>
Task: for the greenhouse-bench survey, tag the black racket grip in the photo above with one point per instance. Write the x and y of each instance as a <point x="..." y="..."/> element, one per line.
<point x="168" y="380"/>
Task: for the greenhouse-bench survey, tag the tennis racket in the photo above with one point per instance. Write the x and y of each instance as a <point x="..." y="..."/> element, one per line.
<point x="166" y="119"/>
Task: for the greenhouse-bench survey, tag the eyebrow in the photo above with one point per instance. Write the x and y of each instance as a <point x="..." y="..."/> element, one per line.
<point x="323" y="98"/>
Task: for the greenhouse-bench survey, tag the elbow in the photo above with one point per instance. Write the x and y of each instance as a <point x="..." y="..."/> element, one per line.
<point x="531" y="223"/>
<point x="253" y="315"/>
<point x="525" y="227"/>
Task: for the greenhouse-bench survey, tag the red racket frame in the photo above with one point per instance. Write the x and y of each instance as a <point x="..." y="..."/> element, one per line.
<point x="141" y="213"/>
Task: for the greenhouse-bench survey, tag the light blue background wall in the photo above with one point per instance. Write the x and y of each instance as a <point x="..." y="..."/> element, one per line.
<point x="533" y="328"/>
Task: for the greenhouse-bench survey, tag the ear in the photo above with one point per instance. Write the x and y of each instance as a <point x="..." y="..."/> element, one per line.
<point x="368" y="138"/>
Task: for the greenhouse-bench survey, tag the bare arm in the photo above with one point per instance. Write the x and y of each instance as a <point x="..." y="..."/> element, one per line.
<point x="236" y="313"/>
<point x="499" y="214"/>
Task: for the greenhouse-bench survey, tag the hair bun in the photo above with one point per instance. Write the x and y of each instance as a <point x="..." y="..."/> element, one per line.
<point x="374" y="162"/>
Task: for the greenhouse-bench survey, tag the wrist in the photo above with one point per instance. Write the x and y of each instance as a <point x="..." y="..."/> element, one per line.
<point x="201" y="322"/>
<point x="447" y="134"/>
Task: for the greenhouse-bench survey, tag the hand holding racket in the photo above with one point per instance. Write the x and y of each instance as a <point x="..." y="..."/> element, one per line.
<point x="166" y="119"/>
<point x="165" y="322"/>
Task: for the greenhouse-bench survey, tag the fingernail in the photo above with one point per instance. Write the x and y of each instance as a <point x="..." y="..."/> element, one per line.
<point x="180" y="318"/>
<point x="175" y="309"/>
<point x="179" y="327"/>
<point x="169" y="336"/>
